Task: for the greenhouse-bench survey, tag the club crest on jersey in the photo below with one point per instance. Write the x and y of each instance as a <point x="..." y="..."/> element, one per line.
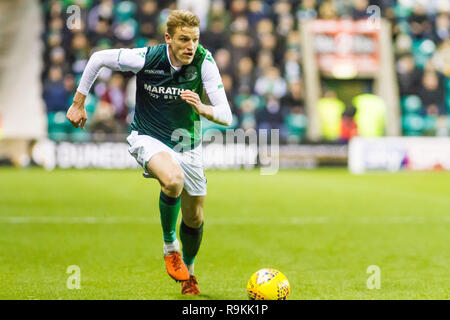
<point x="190" y="73"/>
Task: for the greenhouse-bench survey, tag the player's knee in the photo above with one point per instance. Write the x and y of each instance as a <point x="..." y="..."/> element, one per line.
<point x="195" y="219"/>
<point x="174" y="183"/>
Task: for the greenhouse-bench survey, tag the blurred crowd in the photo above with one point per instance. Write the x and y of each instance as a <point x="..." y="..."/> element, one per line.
<point x="257" y="47"/>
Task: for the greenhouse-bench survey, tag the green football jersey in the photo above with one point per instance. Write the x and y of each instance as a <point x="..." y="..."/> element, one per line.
<point x="160" y="112"/>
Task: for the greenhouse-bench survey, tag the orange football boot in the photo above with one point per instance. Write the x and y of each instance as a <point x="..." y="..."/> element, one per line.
<point x="190" y="287"/>
<point x="175" y="266"/>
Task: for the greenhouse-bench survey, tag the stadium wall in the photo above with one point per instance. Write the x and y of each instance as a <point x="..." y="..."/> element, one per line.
<point x="22" y="110"/>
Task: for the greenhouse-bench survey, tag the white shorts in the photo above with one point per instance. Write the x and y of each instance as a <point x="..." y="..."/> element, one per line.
<point x="143" y="148"/>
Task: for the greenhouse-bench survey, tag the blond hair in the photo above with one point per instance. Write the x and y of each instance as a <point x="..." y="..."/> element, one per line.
<point x="181" y="18"/>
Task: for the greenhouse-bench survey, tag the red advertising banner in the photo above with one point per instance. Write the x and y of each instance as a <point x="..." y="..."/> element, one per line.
<point x="346" y="48"/>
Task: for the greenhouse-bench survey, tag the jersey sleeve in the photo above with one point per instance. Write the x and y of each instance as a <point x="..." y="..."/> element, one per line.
<point x="210" y="75"/>
<point x="115" y="59"/>
<point x="131" y="59"/>
<point x="212" y="83"/>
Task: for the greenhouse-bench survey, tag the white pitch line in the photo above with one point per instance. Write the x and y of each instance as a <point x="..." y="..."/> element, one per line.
<point x="221" y="221"/>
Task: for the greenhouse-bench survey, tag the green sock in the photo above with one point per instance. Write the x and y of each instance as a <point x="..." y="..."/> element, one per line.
<point x="168" y="209"/>
<point x="190" y="239"/>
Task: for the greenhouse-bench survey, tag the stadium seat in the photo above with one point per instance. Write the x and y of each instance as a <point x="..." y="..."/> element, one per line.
<point x="422" y="51"/>
<point x="447" y="101"/>
<point x="429" y="124"/>
<point x="427" y="47"/>
<point x="413" y="123"/>
<point x="90" y="104"/>
<point x="141" y="42"/>
<point x="125" y="10"/>
<point x="404" y="27"/>
<point x="401" y="11"/>
<point x="295" y="125"/>
<point x="411" y="104"/>
<point x="58" y="126"/>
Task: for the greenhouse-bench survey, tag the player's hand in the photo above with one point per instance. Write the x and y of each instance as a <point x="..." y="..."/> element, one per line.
<point x="193" y="99"/>
<point x="76" y="113"/>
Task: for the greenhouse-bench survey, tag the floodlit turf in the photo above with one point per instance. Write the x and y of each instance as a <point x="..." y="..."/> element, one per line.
<point x="321" y="228"/>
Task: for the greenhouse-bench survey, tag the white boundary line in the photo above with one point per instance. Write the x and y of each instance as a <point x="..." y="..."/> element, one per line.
<point x="221" y="221"/>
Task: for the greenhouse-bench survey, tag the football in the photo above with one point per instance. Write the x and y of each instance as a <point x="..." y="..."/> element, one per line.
<point x="268" y="284"/>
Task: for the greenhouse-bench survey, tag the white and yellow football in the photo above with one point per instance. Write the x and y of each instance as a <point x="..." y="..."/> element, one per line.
<point x="268" y="284"/>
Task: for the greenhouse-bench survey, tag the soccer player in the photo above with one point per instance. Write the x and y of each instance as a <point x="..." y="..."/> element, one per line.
<point x="165" y="136"/>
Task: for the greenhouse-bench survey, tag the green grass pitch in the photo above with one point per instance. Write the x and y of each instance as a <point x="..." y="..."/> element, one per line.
<point x="321" y="228"/>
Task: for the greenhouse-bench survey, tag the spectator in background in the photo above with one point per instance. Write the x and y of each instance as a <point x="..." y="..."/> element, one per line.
<point x="271" y="84"/>
<point x="164" y="12"/>
<point x="442" y="59"/>
<point x="216" y="36"/>
<point x="327" y="10"/>
<point x="306" y="10"/>
<point x="218" y="11"/>
<point x="292" y="66"/>
<point x="101" y="12"/>
<point x="441" y="31"/>
<point x="264" y="26"/>
<point x="238" y="8"/>
<point x="199" y="7"/>
<point x="403" y="44"/>
<point x="56" y="95"/>
<point x="228" y="86"/>
<point x="264" y="61"/>
<point x="56" y="25"/>
<point x="293" y="42"/>
<point x="102" y="33"/>
<point x="370" y="115"/>
<point x="359" y="9"/>
<point x="409" y="76"/>
<point x="246" y="108"/>
<point x="240" y="24"/>
<point x="294" y="97"/>
<point x="111" y="114"/>
<point x="69" y="84"/>
<point x="295" y="123"/>
<point x="286" y="24"/>
<point x="147" y="18"/>
<point x="270" y="116"/>
<point x="431" y="93"/>
<point x="57" y="58"/>
<point x="257" y="10"/>
<point x="349" y="129"/>
<point x="330" y="109"/>
<point x="114" y="96"/>
<point x="244" y="74"/>
<point x="125" y="26"/>
<point x="241" y="45"/>
<point x="55" y="10"/>
<point x="281" y="9"/>
<point x="79" y="51"/>
<point x="421" y="27"/>
<point x="293" y="112"/>
<point x="223" y="60"/>
<point x="269" y="42"/>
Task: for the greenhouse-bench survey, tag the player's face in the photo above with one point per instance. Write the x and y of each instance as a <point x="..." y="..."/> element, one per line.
<point x="183" y="45"/>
